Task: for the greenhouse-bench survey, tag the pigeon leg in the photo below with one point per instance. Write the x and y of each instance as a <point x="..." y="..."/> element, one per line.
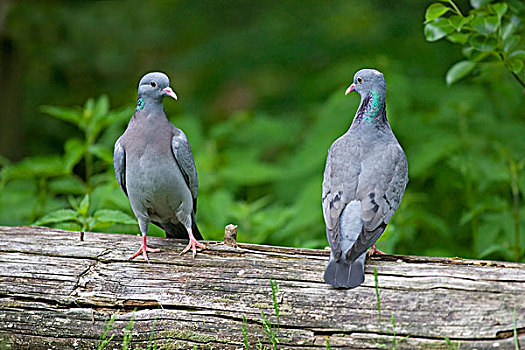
<point x="144" y="249"/>
<point x="193" y="243"/>
<point x="374" y="250"/>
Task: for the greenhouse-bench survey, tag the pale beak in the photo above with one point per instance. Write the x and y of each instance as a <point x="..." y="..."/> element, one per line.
<point x="350" y="89"/>
<point x="168" y="91"/>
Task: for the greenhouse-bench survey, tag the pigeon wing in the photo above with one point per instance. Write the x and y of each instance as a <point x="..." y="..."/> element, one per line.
<point x="339" y="186"/>
<point x="184" y="157"/>
<point x="119" y="162"/>
<point x="380" y="191"/>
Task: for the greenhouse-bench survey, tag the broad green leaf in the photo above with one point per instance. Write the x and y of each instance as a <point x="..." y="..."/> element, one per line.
<point x="113" y="216"/>
<point x="457" y="22"/>
<point x="479" y="3"/>
<point x="67" y="185"/>
<point x="102" y="153"/>
<point x="89" y="107"/>
<point x="67" y="114"/>
<point x="74" y="151"/>
<point x="485" y="25"/>
<point x="459" y="71"/>
<point x="511" y="42"/>
<point x="510" y="27"/>
<point x="519" y="54"/>
<point x="101" y="107"/>
<point x="39" y="166"/>
<point x="500" y="8"/>
<point x="68" y="226"/>
<point x="483" y="43"/>
<point x="437" y="29"/>
<point x="84" y="205"/>
<point x="435" y="10"/>
<point x="468" y="51"/>
<point x="458" y="38"/>
<point x="60" y="215"/>
<point x="514" y="64"/>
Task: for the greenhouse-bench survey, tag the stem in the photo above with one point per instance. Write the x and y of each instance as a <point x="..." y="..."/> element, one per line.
<point x="88" y="162"/>
<point x="455" y="8"/>
<point x="517" y="77"/>
<point x="515" y="208"/>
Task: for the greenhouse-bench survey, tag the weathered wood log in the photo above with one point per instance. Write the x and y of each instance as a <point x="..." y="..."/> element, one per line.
<point x="57" y="291"/>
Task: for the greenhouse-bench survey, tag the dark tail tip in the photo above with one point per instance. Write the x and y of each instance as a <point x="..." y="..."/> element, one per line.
<point x="341" y="274"/>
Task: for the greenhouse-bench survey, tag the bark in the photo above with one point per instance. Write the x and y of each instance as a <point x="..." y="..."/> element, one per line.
<point x="58" y="291"/>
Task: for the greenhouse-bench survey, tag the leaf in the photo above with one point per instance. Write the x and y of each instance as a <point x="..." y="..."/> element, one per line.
<point x="74" y="151"/>
<point x="67" y="185"/>
<point x="500" y="8"/>
<point x="511" y="42"/>
<point x="520" y="54"/>
<point x="102" y="153"/>
<point x="483" y="43"/>
<point x="510" y="28"/>
<point x="67" y="114"/>
<point x="113" y="216"/>
<point x="485" y="25"/>
<point x="60" y="215"/>
<point x="458" y="38"/>
<point x="457" y="22"/>
<point x="479" y="3"/>
<point x="436" y="10"/>
<point x="437" y="29"/>
<point x="39" y="166"/>
<point x="84" y="205"/>
<point x="514" y="64"/>
<point x="459" y="70"/>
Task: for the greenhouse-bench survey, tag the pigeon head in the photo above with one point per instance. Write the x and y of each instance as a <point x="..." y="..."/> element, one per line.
<point x="366" y="81"/>
<point x="155" y="86"/>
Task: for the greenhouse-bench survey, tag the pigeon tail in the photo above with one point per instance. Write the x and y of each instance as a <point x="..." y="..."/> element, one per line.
<point x="345" y="274"/>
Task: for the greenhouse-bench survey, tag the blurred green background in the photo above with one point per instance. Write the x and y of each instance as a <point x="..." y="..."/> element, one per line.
<point x="261" y="97"/>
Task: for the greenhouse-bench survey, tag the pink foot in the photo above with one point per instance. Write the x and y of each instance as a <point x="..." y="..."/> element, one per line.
<point x="193" y="243"/>
<point x="374" y="250"/>
<point x="144" y="249"/>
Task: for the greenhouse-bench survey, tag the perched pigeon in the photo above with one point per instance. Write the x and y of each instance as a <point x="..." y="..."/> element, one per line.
<point x="364" y="180"/>
<point x="155" y="168"/>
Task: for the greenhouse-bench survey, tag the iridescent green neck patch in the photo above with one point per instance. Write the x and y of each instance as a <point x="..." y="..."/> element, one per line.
<point x="140" y="104"/>
<point x="374" y="106"/>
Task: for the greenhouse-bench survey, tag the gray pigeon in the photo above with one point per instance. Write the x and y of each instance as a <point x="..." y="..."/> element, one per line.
<point x="364" y="180"/>
<point x="155" y="168"/>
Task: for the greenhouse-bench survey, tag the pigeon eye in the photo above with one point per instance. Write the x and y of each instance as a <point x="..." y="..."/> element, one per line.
<point x="359" y="80"/>
<point x="153" y="84"/>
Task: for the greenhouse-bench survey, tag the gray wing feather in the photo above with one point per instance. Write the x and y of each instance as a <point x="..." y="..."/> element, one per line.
<point x="380" y="195"/>
<point x="119" y="162"/>
<point x="184" y="157"/>
<point x="339" y="186"/>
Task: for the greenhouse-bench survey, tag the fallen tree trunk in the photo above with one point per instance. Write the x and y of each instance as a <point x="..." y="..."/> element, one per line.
<point x="58" y="291"/>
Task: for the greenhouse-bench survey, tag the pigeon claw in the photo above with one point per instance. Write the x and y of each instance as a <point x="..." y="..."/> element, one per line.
<point x="374" y="250"/>
<point x="144" y="249"/>
<point x="193" y="245"/>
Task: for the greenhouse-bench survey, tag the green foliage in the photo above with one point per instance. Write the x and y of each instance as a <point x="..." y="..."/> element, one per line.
<point x="104" y="340"/>
<point x="56" y="180"/>
<point x="451" y="345"/>
<point x="489" y="34"/>
<point x="261" y="100"/>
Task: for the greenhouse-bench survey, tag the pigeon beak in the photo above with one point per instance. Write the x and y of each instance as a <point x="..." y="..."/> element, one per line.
<point x="350" y="89"/>
<point x="168" y="91"/>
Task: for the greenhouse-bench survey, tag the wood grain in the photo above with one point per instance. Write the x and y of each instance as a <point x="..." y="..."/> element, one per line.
<point x="57" y="291"/>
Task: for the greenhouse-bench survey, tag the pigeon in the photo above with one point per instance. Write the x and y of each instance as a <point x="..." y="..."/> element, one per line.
<point x="364" y="180"/>
<point x="155" y="168"/>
